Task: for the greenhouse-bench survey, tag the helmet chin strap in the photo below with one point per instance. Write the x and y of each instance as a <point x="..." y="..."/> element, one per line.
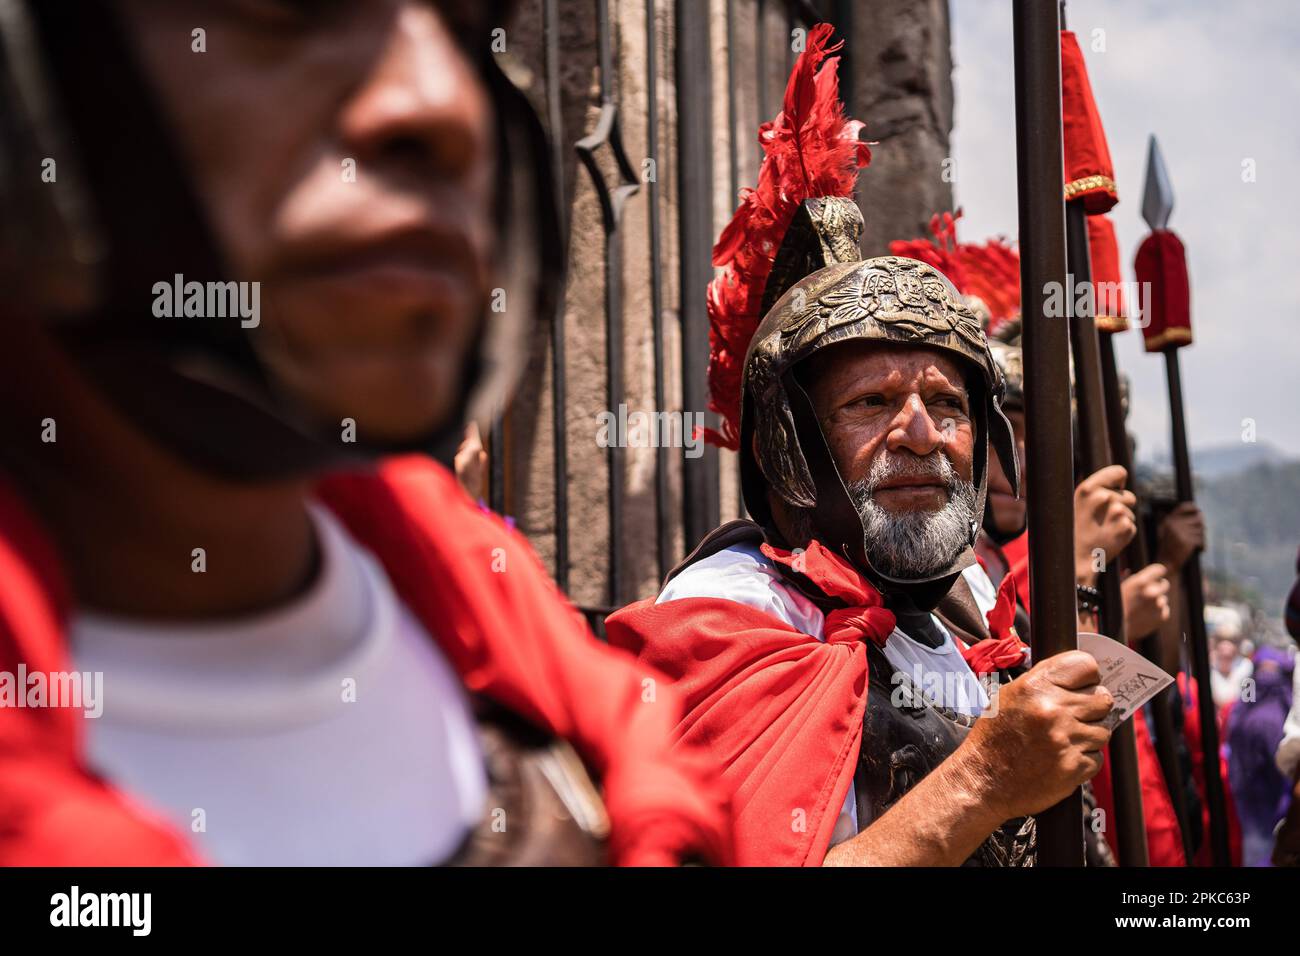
<point x="1006" y="455"/>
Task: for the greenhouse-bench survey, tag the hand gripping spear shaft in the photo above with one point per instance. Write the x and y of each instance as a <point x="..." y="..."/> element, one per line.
<point x="1111" y="320"/>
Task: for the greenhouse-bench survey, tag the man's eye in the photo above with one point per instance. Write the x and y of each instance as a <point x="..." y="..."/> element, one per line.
<point x="868" y="401"/>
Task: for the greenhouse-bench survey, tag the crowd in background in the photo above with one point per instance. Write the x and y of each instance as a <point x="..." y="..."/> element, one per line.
<point x="1253" y="682"/>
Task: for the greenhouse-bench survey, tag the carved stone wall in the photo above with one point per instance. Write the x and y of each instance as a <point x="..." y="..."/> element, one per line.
<point x="903" y="90"/>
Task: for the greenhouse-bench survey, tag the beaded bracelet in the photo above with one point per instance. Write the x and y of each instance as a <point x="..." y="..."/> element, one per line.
<point x="1089" y="598"/>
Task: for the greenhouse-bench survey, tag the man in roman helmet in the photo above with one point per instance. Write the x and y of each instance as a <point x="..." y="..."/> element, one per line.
<point x="315" y="648"/>
<point x="842" y="653"/>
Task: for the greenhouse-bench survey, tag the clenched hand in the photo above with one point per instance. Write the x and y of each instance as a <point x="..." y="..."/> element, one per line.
<point x="1103" y="519"/>
<point x="1046" y="737"/>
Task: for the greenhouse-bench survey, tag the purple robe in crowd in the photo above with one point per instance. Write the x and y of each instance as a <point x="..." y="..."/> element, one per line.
<point x="1254" y="730"/>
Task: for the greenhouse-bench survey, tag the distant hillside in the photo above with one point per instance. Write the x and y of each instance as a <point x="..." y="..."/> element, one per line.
<point x="1218" y="461"/>
<point x="1253" y="521"/>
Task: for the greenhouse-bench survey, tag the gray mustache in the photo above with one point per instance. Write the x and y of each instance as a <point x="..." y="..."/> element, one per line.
<point x="890" y="467"/>
<point x="914" y="545"/>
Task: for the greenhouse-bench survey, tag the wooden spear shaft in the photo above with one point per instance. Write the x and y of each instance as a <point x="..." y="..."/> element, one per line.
<point x="1040" y="173"/>
<point x="1164" y="704"/>
<point x="1200" y="648"/>
<point x="1095" y="453"/>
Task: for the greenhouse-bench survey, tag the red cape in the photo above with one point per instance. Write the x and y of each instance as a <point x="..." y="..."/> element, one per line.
<point x="509" y="634"/>
<point x="781" y="710"/>
<point x="1016" y="551"/>
<point x="1164" y="837"/>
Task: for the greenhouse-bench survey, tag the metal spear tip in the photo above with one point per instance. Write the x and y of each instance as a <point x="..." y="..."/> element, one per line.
<point x="1158" y="195"/>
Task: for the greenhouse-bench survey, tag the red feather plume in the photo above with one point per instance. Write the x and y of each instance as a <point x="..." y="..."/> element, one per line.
<point x="811" y="149"/>
<point x="989" y="271"/>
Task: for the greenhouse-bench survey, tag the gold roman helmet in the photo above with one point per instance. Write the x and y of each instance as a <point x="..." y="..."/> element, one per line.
<point x="834" y="296"/>
<point x="793" y="284"/>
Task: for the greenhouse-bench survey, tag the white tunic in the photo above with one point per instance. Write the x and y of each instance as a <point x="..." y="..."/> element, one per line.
<point x="742" y="573"/>
<point x="332" y="731"/>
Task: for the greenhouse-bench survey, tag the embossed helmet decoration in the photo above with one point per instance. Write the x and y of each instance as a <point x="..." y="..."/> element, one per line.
<point x="795" y="284"/>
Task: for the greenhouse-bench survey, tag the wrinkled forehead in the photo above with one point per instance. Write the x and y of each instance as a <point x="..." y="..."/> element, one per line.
<point x="846" y="363"/>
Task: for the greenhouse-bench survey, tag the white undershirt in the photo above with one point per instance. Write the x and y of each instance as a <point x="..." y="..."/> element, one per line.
<point x="247" y="721"/>
<point x="742" y="573"/>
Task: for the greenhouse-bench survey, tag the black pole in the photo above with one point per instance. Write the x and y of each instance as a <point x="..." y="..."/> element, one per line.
<point x="1040" y="173"/>
<point x="1094" y="453"/>
<point x="1200" y="650"/>
<point x="1136" y="554"/>
<point x="1163" y="705"/>
<point x="693" y="59"/>
<point x="559" y="377"/>
<point x="615" y="385"/>
<point x="663" y="530"/>
<point x="844" y="27"/>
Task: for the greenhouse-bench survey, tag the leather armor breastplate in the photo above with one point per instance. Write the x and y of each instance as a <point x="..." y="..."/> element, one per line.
<point x="901" y="744"/>
<point x="543" y="809"/>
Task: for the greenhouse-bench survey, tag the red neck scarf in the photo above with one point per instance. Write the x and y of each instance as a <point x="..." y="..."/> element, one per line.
<point x="865" y="616"/>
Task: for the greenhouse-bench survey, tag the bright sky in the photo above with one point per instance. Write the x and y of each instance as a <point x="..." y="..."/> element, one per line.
<point x="1219" y="85"/>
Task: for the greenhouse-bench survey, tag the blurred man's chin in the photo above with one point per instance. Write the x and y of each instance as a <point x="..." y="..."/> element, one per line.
<point x="393" y="400"/>
<point x="384" y="427"/>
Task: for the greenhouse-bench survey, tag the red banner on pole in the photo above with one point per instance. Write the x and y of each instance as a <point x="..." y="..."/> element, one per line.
<point x="1089" y="172"/>
<point x="1107" y="279"/>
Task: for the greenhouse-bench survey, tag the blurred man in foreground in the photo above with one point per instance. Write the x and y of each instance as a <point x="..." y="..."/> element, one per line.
<point x="266" y="257"/>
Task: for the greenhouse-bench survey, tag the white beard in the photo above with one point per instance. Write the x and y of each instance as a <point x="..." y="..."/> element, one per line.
<point x="914" y="544"/>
